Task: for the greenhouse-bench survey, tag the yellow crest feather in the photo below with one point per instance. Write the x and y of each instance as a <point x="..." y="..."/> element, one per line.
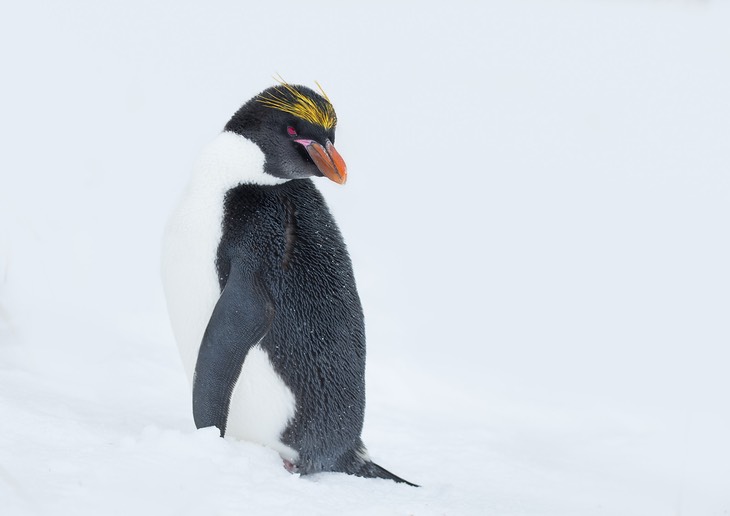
<point x="290" y="100"/>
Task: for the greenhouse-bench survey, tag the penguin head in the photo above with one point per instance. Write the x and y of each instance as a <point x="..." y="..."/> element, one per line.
<point x="295" y="128"/>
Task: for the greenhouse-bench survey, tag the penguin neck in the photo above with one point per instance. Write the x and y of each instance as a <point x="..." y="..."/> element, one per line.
<point x="228" y="161"/>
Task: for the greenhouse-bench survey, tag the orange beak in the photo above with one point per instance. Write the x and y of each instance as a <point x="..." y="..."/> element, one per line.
<point x="327" y="159"/>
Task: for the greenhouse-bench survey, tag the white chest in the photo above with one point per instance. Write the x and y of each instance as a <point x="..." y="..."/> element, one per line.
<point x="189" y="274"/>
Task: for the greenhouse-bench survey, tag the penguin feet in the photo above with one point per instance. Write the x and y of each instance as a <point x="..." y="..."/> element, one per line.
<point x="290" y="467"/>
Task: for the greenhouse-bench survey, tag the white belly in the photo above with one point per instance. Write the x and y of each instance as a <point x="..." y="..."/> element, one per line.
<point x="261" y="404"/>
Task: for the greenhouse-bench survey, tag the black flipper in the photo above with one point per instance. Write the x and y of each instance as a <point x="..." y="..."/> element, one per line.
<point x="241" y="318"/>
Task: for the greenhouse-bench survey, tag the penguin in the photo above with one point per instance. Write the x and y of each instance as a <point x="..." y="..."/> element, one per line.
<point x="260" y="288"/>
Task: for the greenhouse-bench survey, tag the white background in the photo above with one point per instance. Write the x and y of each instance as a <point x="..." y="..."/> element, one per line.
<point x="537" y="211"/>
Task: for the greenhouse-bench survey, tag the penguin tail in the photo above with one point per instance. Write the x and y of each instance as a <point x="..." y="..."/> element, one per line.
<point x="372" y="470"/>
<point x="357" y="462"/>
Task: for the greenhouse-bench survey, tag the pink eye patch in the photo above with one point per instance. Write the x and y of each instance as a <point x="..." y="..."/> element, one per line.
<point x="291" y="131"/>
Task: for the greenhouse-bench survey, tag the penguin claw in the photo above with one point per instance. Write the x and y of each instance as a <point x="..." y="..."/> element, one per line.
<point x="290" y="467"/>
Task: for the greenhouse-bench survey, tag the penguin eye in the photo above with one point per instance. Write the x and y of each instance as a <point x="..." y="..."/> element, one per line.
<point x="291" y="131"/>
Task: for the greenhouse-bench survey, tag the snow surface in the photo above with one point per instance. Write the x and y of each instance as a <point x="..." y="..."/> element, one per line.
<point x="537" y="211"/>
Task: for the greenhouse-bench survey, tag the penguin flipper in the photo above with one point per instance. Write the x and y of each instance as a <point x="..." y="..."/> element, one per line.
<point x="241" y="318"/>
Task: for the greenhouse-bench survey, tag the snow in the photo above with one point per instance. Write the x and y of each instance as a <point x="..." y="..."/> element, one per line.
<point x="537" y="210"/>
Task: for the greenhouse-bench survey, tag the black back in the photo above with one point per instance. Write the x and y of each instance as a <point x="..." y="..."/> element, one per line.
<point x="287" y="238"/>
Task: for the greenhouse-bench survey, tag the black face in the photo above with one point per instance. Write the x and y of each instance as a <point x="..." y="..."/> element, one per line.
<point x="282" y="136"/>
